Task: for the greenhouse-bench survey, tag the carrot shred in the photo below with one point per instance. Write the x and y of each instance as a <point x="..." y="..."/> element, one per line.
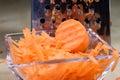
<point x="2" y="62"/>
<point x="99" y="44"/>
<point x="116" y="59"/>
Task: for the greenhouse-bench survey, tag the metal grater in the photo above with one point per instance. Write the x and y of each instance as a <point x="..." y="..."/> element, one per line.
<point x="48" y="14"/>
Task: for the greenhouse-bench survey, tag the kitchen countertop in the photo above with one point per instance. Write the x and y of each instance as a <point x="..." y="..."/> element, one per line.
<point x="15" y="15"/>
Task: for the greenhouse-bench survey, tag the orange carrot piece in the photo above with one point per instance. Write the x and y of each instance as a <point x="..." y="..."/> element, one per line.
<point x="72" y="41"/>
<point x="118" y="78"/>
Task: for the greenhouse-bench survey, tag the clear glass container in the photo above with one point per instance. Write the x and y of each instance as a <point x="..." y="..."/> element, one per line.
<point x="57" y="69"/>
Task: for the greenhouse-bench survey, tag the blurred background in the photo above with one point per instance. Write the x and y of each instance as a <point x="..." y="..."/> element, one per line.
<point x="16" y="15"/>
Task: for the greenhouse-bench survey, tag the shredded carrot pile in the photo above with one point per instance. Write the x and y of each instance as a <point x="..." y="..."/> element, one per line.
<point x="35" y="48"/>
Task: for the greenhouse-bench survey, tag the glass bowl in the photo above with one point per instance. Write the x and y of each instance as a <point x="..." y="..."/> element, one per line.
<point x="63" y="69"/>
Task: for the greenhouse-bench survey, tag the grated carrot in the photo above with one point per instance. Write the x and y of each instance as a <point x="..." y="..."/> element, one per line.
<point x="35" y="48"/>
